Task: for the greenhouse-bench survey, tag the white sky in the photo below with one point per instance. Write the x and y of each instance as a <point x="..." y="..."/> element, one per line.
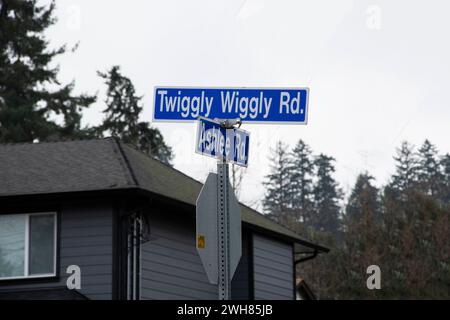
<point x="378" y="71"/>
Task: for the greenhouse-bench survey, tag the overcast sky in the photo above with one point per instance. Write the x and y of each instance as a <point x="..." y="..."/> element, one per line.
<point x="378" y="71"/>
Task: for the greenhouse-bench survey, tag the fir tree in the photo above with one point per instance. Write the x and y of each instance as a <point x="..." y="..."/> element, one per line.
<point x="123" y="106"/>
<point x="28" y="108"/>
<point x="278" y="198"/>
<point x="301" y="173"/>
<point x="445" y="163"/>
<point x="326" y="195"/>
<point x="430" y="179"/>
<point x="364" y="197"/>
<point x="122" y="111"/>
<point x="405" y="177"/>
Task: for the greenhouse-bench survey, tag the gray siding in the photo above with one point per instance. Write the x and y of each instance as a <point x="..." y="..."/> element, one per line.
<point x="170" y="265"/>
<point x="85" y="240"/>
<point x="240" y="284"/>
<point x="273" y="269"/>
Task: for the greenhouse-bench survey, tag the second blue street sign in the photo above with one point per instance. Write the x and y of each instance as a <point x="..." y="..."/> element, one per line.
<point x="251" y="105"/>
<point x="218" y="142"/>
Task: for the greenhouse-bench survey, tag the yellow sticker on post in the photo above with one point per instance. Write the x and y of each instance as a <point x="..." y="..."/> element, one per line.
<point x="201" y="241"/>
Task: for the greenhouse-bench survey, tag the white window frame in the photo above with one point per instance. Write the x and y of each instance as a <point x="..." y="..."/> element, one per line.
<point x="27" y="247"/>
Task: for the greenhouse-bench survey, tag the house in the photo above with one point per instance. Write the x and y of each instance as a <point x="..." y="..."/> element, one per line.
<point x="128" y="222"/>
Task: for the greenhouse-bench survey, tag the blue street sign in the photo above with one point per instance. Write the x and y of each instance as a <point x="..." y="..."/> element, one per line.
<point x="255" y="105"/>
<point x="220" y="143"/>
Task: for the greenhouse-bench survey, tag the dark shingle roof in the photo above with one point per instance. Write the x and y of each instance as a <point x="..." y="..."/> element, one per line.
<point x="102" y="164"/>
<point x="31" y="168"/>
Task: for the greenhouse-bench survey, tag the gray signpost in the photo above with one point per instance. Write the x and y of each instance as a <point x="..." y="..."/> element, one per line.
<point x="223" y="228"/>
<point x="219" y="239"/>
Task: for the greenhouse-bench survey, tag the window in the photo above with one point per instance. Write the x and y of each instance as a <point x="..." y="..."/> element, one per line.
<point x="27" y="245"/>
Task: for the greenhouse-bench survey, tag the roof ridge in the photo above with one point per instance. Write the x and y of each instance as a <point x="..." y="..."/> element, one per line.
<point x="129" y="145"/>
<point x="128" y="168"/>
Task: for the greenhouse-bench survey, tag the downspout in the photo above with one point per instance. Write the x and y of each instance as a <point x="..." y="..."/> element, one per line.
<point x="138" y="258"/>
<point x="312" y="255"/>
<point x="133" y="254"/>
<point x="129" y="283"/>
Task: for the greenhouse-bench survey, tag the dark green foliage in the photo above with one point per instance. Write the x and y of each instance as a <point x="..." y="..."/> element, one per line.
<point x="301" y="185"/>
<point x="278" y="199"/>
<point x="122" y="111"/>
<point x="301" y="190"/>
<point x="326" y="194"/>
<point x="364" y="196"/>
<point x="406" y="173"/>
<point x="416" y="257"/>
<point x="123" y="106"/>
<point x="30" y="94"/>
<point x="429" y="171"/>
<point x="445" y="164"/>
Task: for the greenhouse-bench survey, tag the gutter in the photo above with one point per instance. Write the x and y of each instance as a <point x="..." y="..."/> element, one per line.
<point x="312" y="255"/>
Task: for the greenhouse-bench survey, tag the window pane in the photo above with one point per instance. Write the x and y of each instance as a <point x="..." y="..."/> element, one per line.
<point x="41" y="244"/>
<point x="12" y="245"/>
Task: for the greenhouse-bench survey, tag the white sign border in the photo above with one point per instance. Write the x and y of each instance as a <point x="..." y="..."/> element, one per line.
<point x="233" y="88"/>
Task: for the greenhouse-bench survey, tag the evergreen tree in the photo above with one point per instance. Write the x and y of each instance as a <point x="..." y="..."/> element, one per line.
<point x="326" y="194"/>
<point x="301" y="173"/>
<point x="364" y="197"/>
<point x="430" y="179"/>
<point x="362" y="230"/>
<point x="405" y="177"/>
<point x="28" y="108"/>
<point x="278" y="198"/>
<point x="416" y="259"/>
<point x="445" y="163"/>
<point x="123" y="108"/>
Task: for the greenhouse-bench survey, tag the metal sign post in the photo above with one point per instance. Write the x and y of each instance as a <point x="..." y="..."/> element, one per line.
<point x="219" y="236"/>
<point x="223" y="225"/>
<point x="224" y="210"/>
